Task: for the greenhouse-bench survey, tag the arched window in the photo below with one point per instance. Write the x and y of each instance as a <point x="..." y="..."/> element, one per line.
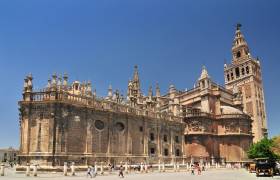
<point x="238" y="54"/>
<point x="152" y="151"/>
<point x="165" y="152"/>
<point x="177" y="153"/>
<point x="247" y="70"/>
<point x="165" y="138"/>
<point x="152" y="136"/>
<point x="177" y="139"/>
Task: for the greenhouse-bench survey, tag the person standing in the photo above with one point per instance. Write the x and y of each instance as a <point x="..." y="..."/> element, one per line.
<point x="192" y="169"/>
<point x="121" y="172"/>
<point x="198" y="170"/>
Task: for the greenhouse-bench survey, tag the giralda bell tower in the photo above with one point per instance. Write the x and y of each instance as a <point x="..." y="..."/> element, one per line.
<point x="244" y="74"/>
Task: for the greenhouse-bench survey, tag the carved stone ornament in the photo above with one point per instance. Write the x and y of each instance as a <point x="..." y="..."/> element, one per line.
<point x="231" y="127"/>
<point x="195" y="125"/>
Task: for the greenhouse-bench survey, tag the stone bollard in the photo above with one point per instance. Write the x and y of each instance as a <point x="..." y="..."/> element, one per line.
<point x="141" y="168"/>
<point x="35" y="168"/>
<point x="174" y="167"/>
<point x="73" y="169"/>
<point x="178" y="167"/>
<point x="65" y="169"/>
<point x="159" y="169"/>
<point x="126" y="168"/>
<point x="2" y="171"/>
<point x="27" y="169"/>
<point x="187" y="166"/>
<point x="101" y="169"/>
<point x="216" y="165"/>
<point x="146" y="168"/>
<point x="163" y="167"/>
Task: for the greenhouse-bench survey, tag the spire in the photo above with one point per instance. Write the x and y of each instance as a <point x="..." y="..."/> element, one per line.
<point x="136" y="75"/>
<point x="240" y="49"/>
<point x="110" y="92"/>
<point x="204" y="80"/>
<point x="65" y="80"/>
<point x="204" y="73"/>
<point x="134" y="85"/>
<point x="157" y="90"/>
<point x="150" y="93"/>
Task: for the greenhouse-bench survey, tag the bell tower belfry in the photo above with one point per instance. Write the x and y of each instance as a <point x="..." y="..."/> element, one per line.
<point x="244" y="72"/>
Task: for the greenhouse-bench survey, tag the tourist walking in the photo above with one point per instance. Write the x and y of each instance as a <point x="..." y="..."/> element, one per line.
<point x="198" y="170"/>
<point x="89" y="172"/>
<point x="93" y="171"/>
<point x="192" y="169"/>
<point x="121" y="172"/>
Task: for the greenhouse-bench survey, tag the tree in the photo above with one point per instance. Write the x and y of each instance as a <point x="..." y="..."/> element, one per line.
<point x="276" y="145"/>
<point x="262" y="149"/>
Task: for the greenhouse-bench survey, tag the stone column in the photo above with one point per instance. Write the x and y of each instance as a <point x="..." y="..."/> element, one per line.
<point x="2" y="170"/>
<point x="27" y="169"/>
<point x="65" y="169"/>
<point x="163" y="167"/>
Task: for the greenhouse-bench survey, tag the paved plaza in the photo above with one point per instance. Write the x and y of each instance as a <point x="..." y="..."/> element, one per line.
<point x="220" y="174"/>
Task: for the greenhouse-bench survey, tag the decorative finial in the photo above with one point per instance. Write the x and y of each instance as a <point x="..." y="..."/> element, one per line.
<point x="238" y="26"/>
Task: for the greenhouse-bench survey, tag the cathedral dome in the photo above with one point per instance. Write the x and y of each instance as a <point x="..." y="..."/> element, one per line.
<point x="230" y="110"/>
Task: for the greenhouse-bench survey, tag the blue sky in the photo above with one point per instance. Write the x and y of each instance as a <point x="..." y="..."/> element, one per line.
<point x="101" y="41"/>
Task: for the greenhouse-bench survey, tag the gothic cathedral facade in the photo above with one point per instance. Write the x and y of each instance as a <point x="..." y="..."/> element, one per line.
<point x="68" y="122"/>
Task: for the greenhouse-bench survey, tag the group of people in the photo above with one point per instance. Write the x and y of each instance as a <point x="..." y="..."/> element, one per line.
<point x="198" y="168"/>
<point x="92" y="171"/>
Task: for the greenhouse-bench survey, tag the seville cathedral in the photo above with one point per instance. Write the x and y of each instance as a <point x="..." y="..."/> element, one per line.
<point x="67" y="122"/>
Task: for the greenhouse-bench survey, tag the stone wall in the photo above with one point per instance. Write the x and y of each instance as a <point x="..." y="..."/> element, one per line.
<point x="66" y="132"/>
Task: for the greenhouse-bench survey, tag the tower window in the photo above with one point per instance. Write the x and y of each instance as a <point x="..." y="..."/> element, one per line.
<point x="228" y="78"/>
<point x="243" y="71"/>
<point x="203" y="84"/>
<point x="141" y="128"/>
<point x="247" y="70"/>
<point x="237" y="72"/>
<point x="231" y="74"/>
<point x="238" y="54"/>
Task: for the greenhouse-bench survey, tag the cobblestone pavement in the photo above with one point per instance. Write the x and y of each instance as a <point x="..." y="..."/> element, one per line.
<point x="220" y="174"/>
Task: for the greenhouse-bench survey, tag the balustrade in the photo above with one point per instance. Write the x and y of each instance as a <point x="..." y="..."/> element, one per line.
<point x="97" y="103"/>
